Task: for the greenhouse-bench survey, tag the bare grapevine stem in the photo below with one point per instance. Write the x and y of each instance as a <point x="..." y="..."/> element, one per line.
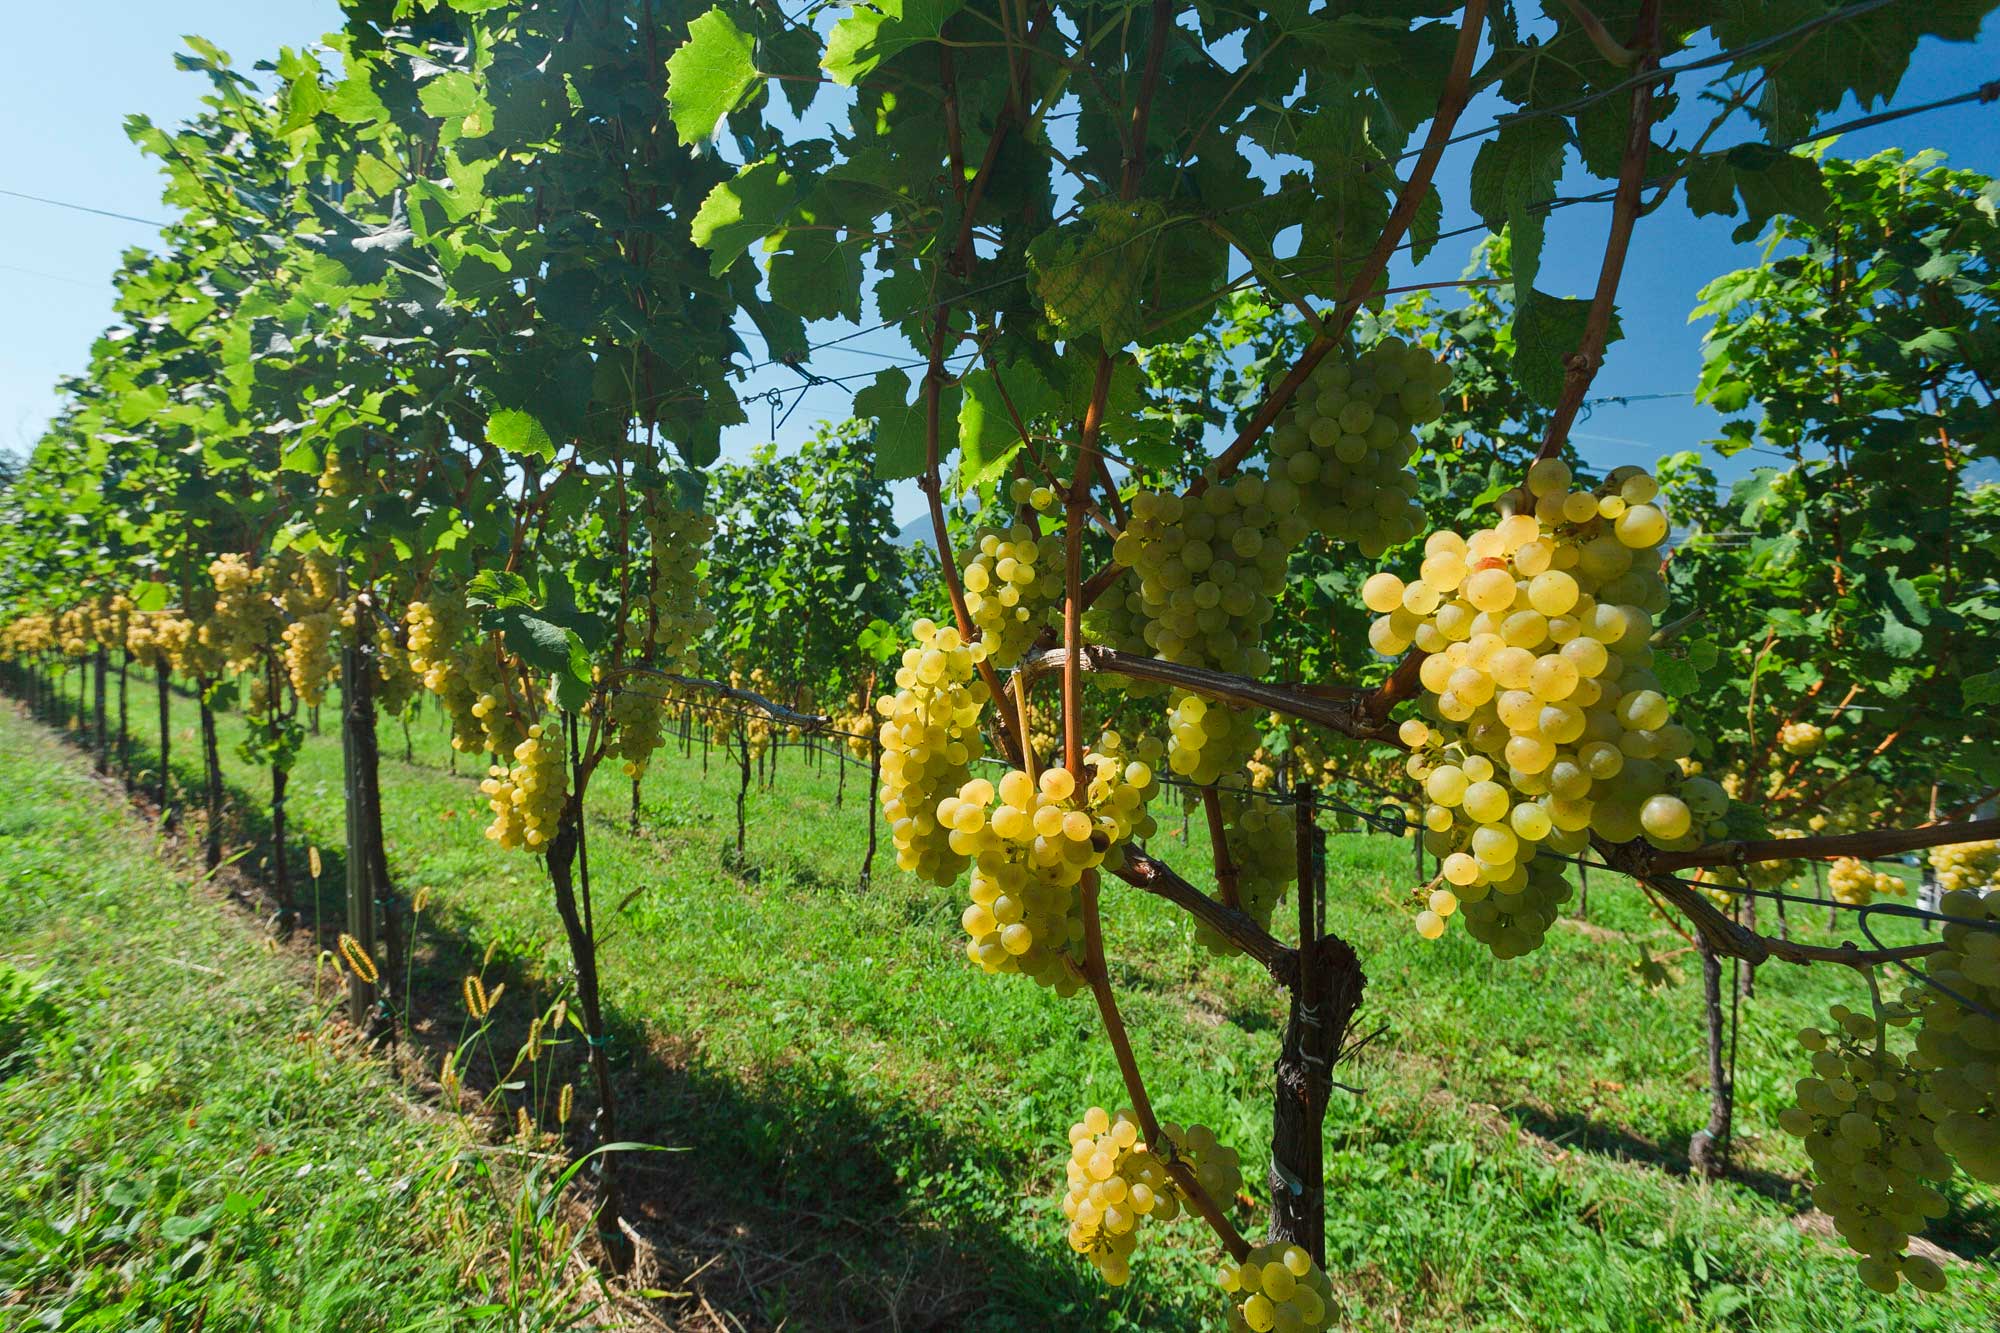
<point x="1584" y="362"/>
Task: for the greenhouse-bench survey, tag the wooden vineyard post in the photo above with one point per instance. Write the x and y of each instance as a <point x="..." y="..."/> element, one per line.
<point x="99" y="670"/>
<point x="211" y="761"/>
<point x="743" y="789"/>
<point x="1708" y="1150"/>
<point x="874" y="804"/>
<point x="1323" y="1001"/>
<point x="167" y="819"/>
<point x="124" y="737"/>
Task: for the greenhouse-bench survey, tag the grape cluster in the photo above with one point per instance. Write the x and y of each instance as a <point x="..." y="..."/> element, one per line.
<point x="1006" y="595"/>
<point x="1032" y="851"/>
<point x="1853" y="883"/>
<point x="1041" y="499"/>
<point x="1208" y="568"/>
<point x="1262" y="836"/>
<point x="245" y="620"/>
<point x="1348" y="439"/>
<point x="1861" y="1115"/>
<point x="1542" y="721"/>
<point x="1208" y="740"/>
<point x="680" y="615"/>
<point x="930" y="737"/>
<point x="1960" y="1046"/>
<point x="527" y="799"/>
<point x="1114" y="1181"/>
<point x="1277" y="1287"/>
<point x="309" y="655"/>
<point x="635" y="715"/>
<point x="1801" y="738"/>
<point x="1966" y="866"/>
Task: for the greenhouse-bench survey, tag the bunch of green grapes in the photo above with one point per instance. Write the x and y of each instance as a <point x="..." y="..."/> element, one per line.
<point x="1115" y="1182"/>
<point x="1208" y="568"/>
<point x="1856" y="804"/>
<point x="246" y="619"/>
<point x="73" y="629"/>
<point x="635" y="715"/>
<point x="527" y="799"/>
<point x="1030" y="854"/>
<point x="396" y="678"/>
<point x="1277" y="1287"/>
<point x="180" y="634"/>
<point x="1801" y="738"/>
<point x="1262" y="836"/>
<point x="1510" y="917"/>
<point x="1206" y="741"/>
<point x="1872" y="1146"/>
<point x="1960" y="1046"/>
<point x="28" y="634"/>
<point x="1007" y="596"/>
<point x="1853" y="883"/>
<point x="309" y="654"/>
<point x="857" y="731"/>
<point x="308" y="583"/>
<point x="1041" y="499"/>
<point x="680" y="612"/>
<point x="1348" y="439"/>
<point x="1542" y="720"/>
<point x="143" y="638"/>
<point x="1967" y="865"/>
<point x="930" y="738"/>
<point x="1117" y="620"/>
<point x="436" y="626"/>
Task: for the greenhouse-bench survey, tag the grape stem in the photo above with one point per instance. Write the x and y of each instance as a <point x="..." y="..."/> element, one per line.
<point x="1362" y="716"/>
<point x="1218" y="837"/>
<point x="1582" y="365"/>
<point x="1098" y="977"/>
<point x="1457" y="92"/>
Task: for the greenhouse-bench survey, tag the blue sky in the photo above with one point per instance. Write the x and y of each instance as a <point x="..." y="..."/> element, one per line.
<point x="66" y="141"/>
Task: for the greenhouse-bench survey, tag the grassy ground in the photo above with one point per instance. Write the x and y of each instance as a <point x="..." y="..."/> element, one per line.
<point x="876" y="1130"/>
<point x="182" y="1143"/>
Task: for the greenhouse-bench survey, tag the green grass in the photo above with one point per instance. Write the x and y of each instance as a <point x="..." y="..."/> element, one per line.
<point x="876" y="1130"/>
<point x="181" y="1146"/>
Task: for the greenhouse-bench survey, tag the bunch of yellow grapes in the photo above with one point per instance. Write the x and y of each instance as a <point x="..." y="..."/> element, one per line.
<point x="1861" y="1114"/>
<point x="1032" y="851"/>
<point x="1277" y="1287"/>
<point x="246" y="619"/>
<point x="1262" y="836"/>
<point x="1853" y="883"/>
<point x="1348" y="439"/>
<point x="1801" y="738"/>
<point x="1206" y="740"/>
<point x="1542" y="720"/>
<point x="930" y="738"/>
<point x="1959" y="1045"/>
<point x="1967" y="865"/>
<point x="680" y="612"/>
<point x="527" y="799"/>
<point x="1208" y="568"/>
<point x="1115" y="1181"/>
<point x="309" y="654"/>
<point x="635" y="715"/>
<point x="1007" y="595"/>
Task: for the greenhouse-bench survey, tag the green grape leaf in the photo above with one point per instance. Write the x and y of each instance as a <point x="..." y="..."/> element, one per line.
<point x="1774" y="182"/>
<point x="987" y="438"/>
<point x="710" y="76"/>
<point x="741" y="211"/>
<point x="519" y="433"/>
<point x="1547" y="330"/>
<point x="1087" y="273"/>
<point x="879" y="31"/>
<point x="1981" y="690"/>
<point x="899" y="423"/>
<point x="1513" y="178"/>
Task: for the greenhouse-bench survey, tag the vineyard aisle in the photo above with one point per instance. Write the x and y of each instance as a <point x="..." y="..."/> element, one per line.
<point x="879" y="1111"/>
<point x="182" y="1144"/>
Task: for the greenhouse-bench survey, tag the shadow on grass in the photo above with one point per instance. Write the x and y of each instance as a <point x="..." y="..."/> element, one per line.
<point x="791" y="1198"/>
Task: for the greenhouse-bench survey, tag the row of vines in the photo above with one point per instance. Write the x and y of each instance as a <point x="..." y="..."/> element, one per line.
<point x="423" y="396"/>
